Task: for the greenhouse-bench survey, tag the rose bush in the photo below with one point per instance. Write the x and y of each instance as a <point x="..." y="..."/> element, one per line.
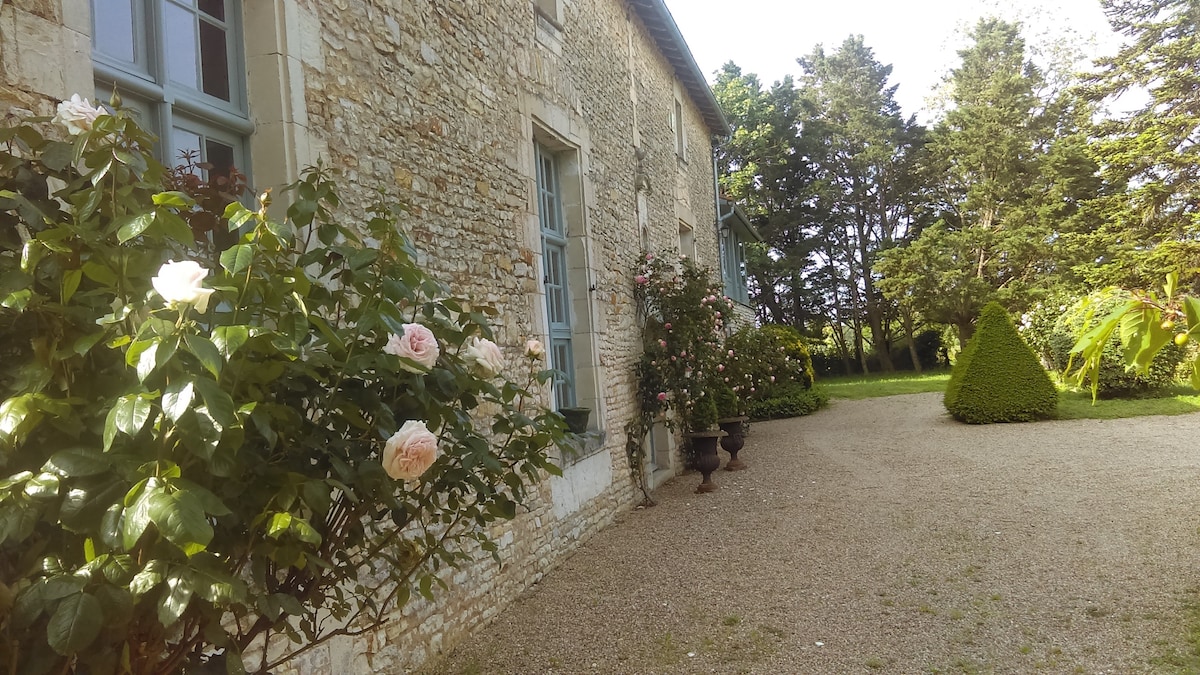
<point x="230" y="457"/>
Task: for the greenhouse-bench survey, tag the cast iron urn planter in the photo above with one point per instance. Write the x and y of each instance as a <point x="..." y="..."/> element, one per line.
<point x="704" y="449"/>
<point x="577" y="418"/>
<point x="734" y="440"/>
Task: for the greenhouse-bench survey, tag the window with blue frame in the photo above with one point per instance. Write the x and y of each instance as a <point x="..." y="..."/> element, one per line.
<point x="555" y="275"/>
<point x="179" y="65"/>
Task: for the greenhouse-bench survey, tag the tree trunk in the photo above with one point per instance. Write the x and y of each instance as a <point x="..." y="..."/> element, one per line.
<point x="966" y="329"/>
<point x="906" y="320"/>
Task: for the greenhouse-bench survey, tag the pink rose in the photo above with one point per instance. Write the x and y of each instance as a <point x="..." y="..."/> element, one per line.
<point x="417" y="343"/>
<point x="667" y="326"/>
<point x="662" y="343"/>
<point x="720" y="367"/>
<point x="410" y="451"/>
<point x="662" y="396"/>
<point x="641" y="279"/>
<point x="649" y="256"/>
<point x="731" y="352"/>
<point x="486" y="356"/>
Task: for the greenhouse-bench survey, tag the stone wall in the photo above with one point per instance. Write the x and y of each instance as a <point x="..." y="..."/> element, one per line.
<point x="440" y="101"/>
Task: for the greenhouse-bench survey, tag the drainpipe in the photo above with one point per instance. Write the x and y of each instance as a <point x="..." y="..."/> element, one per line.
<point x="721" y="218"/>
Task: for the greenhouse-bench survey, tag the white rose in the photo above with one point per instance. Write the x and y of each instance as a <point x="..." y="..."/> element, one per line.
<point x="486" y="356"/>
<point x="180" y="283"/>
<point x="417" y="343"/>
<point x="534" y="349"/>
<point x="410" y="451"/>
<point x="77" y="115"/>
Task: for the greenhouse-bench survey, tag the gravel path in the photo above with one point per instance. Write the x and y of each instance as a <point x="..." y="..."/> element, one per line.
<point x="882" y="536"/>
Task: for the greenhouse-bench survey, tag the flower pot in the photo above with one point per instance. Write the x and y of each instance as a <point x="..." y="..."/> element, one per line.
<point x="704" y="450"/>
<point x="577" y="418"/>
<point x="735" y="439"/>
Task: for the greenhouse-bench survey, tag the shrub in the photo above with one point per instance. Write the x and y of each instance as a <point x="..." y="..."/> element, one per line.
<point x="1053" y="327"/>
<point x="997" y="377"/>
<point x="765" y="361"/>
<point x="792" y="401"/>
<point x="184" y="476"/>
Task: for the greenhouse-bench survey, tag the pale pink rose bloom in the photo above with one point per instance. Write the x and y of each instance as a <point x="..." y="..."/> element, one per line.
<point x="410" y="451"/>
<point x="662" y="396"/>
<point x="486" y="356"/>
<point x="720" y="367"/>
<point x="181" y="283"/>
<point x="641" y="279"/>
<point x="534" y="349"/>
<point x="662" y="343"/>
<point x="417" y="343"/>
<point x="77" y="115"/>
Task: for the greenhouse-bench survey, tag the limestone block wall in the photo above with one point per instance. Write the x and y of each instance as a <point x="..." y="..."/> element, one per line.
<point x="440" y="103"/>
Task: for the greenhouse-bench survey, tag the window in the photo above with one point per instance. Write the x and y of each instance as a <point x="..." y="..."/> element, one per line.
<point x="550" y="10"/>
<point x="677" y="127"/>
<point x="555" y="275"/>
<point x="687" y="240"/>
<point x="178" y="64"/>
<point x="733" y="264"/>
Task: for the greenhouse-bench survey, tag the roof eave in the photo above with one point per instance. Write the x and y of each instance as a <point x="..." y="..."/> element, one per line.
<point x="663" y="29"/>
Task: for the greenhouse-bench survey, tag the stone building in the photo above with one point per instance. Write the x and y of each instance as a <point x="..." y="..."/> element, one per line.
<point x="541" y="144"/>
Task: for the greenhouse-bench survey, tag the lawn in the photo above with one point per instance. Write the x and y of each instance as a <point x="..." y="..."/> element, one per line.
<point x="1072" y="405"/>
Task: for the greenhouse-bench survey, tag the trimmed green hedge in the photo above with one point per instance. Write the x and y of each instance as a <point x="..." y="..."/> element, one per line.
<point x="793" y="401"/>
<point x="997" y="377"/>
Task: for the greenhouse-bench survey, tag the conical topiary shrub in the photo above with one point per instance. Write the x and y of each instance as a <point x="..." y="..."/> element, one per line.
<point x="997" y="378"/>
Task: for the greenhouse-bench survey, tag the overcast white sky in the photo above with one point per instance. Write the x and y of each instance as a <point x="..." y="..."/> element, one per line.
<point x="919" y="37"/>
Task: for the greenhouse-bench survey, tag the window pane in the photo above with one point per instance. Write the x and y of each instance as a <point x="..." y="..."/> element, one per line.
<point x="214" y="61"/>
<point x="181" y="45"/>
<point x="213" y="8"/>
<point x="114" y="28"/>
<point x="220" y="156"/>
<point x="184" y="144"/>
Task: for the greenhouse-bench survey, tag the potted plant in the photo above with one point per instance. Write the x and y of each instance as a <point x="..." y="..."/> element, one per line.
<point x="733" y="423"/>
<point x="701" y="418"/>
<point x="577" y="418"/>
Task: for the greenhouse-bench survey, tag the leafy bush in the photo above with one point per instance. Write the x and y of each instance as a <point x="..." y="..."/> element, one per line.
<point x="793" y="401"/>
<point x="194" y="461"/>
<point x="997" y="377"/>
<point x="1053" y="327"/>
<point x="766" y="360"/>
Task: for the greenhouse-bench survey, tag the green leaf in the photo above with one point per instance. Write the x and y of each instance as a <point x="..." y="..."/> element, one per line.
<point x="70" y="284"/>
<point x="211" y="504"/>
<point x="237" y="258"/>
<point x="233" y="662"/>
<point x="100" y="273"/>
<point x="75" y="623"/>
<point x="135" y="227"/>
<point x="57" y="155"/>
<point x="173" y="198"/>
<point x="175" y="601"/>
<point x="149" y="577"/>
<point x="237" y="215"/>
<point x="137" y="514"/>
<point x="180" y="518"/>
<point x="279" y="524"/>
<point x="17" y="300"/>
<point x="129" y="415"/>
<point x="17" y="416"/>
<point x="229" y="339"/>
<point x="42" y="486"/>
<point x="147" y="360"/>
<point x="77" y="462"/>
<point x="1191" y="309"/>
<point x="177" y="399"/>
<point x="220" y="405"/>
<point x="208" y="354"/>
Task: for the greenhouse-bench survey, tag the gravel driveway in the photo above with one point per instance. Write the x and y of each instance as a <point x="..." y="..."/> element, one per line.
<point x="882" y="536"/>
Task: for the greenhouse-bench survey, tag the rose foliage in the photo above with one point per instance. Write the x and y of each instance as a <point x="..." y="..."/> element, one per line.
<point x="192" y="450"/>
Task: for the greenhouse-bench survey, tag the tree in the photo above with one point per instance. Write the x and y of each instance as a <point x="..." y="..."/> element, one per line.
<point x="1153" y="149"/>
<point x="863" y="170"/>
<point x="1003" y="184"/>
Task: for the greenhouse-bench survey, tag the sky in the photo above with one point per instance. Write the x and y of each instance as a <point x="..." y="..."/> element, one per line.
<point x="919" y="38"/>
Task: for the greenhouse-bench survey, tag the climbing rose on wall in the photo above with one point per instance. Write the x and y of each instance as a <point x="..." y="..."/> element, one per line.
<point x="417" y="343"/>
<point x="486" y="356"/>
<point x="410" y="451"/>
<point x="534" y="349"/>
<point x="77" y="115"/>
<point x="181" y="283"/>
